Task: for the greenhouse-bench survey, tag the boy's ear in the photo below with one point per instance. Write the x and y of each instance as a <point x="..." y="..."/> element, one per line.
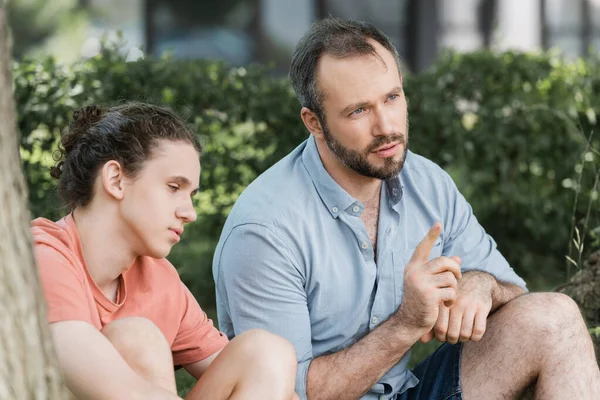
<point x="112" y="179"/>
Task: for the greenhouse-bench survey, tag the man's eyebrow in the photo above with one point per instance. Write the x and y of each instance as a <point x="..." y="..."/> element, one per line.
<point x="354" y="106"/>
<point x="397" y="89"/>
<point x="361" y="104"/>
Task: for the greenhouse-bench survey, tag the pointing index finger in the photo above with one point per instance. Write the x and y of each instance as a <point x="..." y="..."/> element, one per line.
<point x="421" y="253"/>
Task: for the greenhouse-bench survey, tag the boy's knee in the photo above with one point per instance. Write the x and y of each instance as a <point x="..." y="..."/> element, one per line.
<point x="269" y="349"/>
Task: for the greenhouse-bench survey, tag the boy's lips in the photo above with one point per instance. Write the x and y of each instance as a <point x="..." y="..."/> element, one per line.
<point x="176" y="233"/>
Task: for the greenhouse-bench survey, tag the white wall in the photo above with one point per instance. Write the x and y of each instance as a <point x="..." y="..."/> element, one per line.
<point x="287" y="20"/>
<point x="519" y="25"/>
<point x="458" y="25"/>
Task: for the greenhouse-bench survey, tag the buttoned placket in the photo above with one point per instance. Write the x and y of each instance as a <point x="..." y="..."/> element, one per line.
<point x="384" y="301"/>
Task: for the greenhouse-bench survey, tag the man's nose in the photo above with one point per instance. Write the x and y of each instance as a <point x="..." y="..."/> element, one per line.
<point x="384" y="123"/>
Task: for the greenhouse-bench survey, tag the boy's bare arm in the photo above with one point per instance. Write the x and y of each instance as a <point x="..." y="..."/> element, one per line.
<point x="93" y="368"/>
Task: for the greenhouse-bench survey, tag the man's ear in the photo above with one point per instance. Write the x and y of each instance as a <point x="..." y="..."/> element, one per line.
<point x="112" y="176"/>
<point x="312" y="123"/>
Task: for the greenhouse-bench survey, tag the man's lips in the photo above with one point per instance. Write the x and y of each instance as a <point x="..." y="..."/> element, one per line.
<point x="387" y="150"/>
<point x="386" y="147"/>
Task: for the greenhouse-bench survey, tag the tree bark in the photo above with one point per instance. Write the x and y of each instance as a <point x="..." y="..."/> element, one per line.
<point x="28" y="367"/>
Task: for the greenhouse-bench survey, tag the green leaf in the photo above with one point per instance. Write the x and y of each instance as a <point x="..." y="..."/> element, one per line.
<point x="572" y="261"/>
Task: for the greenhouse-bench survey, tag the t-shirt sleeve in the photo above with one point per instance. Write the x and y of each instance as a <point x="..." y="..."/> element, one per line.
<point x="63" y="286"/>
<point x="197" y="337"/>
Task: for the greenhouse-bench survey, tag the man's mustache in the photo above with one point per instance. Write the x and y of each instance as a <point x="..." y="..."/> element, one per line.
<point x="383" y="140"/>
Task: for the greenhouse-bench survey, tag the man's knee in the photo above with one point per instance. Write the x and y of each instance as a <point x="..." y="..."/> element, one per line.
<point x="140" y="342"/>
<point x="544" y="314"/>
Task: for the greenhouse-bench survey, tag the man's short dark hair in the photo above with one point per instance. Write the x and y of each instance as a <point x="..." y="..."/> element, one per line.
<point x="339" y="38"/>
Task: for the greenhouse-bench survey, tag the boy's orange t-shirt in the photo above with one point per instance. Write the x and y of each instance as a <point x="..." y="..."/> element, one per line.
<point x="150" y="288"/>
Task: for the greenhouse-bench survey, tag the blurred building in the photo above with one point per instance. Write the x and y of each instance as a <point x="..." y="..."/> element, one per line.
<point x="245" y="31"/>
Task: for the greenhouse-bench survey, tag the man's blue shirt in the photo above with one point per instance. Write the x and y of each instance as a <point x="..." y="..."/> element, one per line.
<point x="295" y="257"/>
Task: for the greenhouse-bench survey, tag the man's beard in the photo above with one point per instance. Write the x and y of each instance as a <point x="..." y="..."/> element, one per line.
<point x="359" y="163"/>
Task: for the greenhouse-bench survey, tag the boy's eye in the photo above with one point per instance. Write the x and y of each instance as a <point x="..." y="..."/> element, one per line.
<point x="173" y="188"/>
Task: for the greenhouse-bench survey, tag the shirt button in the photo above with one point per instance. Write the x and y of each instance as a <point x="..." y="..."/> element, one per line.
<point x="364" y="245"/>
<point x="356" y="209"/>
<point x="335" y="209"/>
<point x="374" y="320"/>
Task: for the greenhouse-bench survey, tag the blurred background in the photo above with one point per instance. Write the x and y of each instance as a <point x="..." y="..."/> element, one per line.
<point x="245" y="31"/>
<point x="503" y="94"/>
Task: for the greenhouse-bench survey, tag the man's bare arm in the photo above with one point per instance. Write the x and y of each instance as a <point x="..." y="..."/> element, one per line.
<point x="354" y="370"/>
<point x="503" y="292"/>
<point x="499" y="292"/>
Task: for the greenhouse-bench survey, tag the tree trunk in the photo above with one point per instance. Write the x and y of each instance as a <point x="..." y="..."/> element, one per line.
<point x="28" y="368"/>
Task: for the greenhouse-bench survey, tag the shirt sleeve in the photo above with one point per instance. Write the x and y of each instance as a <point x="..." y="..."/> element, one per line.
<point x="197" y="337"/>
<point x="259" y="285"/>
<point x="63" y="285"/>
<point x="468" y="240"/>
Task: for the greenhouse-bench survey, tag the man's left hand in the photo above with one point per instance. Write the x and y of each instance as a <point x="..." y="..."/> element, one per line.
<point x="466" y="319"/>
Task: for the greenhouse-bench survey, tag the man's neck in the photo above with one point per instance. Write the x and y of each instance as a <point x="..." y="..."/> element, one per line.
<point x="364" y="189"/>
<point x="98" y="234"/>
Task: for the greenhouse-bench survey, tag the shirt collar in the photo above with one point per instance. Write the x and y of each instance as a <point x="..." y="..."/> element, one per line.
<point x="335" y="198"/>
<point x="393" y="187"/>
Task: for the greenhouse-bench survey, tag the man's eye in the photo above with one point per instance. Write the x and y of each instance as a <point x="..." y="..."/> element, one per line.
<point x="358" y="111"/>
<point x="393" y="97"/>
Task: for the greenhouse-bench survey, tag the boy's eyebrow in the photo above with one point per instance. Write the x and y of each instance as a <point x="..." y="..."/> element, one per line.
<point x="183" y="181"/>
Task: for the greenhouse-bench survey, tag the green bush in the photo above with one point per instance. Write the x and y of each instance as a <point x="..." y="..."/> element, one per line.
<point x="509" y="127"/>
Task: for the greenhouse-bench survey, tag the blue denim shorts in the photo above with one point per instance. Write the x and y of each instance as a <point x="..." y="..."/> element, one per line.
<point x="439" y="376"/>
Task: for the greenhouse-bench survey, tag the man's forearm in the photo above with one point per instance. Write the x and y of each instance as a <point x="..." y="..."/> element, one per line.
<point x="351" y="372"/>
<point x="503" y="292"/>
<point x="500" y="292"/>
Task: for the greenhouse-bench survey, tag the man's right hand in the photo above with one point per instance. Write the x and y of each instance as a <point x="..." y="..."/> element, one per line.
<point x="427" y="285"/>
